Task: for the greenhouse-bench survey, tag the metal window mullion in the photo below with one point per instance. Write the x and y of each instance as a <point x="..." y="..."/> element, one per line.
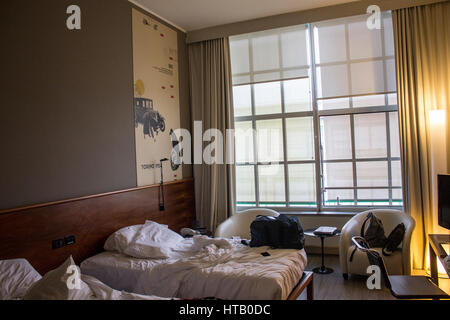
<point x="352" y="117"/>
<point x="255" y="142"/>
<point x="255" y="152"/>
<point x="355" y="178"/>
<point x="283" y="124"/>
<point x="359" y="188"/>
<point x="388" y="127"/>
<point x="355" y="95"/>
<point x="300" y="114"/>
<point x="316" y="121"/>
<point x="336" y="63"/>
<point x="269" y="81"/>
<point x="285" y="164"/>
<point x="389" y="156"/>
<point x="358" y="110"/>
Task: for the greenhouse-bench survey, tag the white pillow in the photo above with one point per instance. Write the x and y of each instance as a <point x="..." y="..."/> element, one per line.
<point x="61" y="284"/>
<point x="16" y="277"/>
<point x="151" y="240"/>
<point x="120" y="239"/>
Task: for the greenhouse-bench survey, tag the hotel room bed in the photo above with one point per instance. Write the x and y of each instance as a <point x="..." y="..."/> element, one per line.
<point x="235" y="272"/>
<point x="20" y="281"/>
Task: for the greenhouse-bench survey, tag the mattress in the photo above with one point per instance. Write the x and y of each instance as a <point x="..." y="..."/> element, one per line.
<point x="241" y="274"/>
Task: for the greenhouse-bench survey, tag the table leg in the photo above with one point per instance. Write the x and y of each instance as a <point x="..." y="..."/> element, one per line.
<point x="433" y="266"/>
<point x="322" y="269"/>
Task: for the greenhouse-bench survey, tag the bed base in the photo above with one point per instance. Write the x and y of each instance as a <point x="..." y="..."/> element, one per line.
<point x="306" y="282"/>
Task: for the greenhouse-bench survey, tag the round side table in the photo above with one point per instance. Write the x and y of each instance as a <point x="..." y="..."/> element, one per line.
<point x="322" y="269"/>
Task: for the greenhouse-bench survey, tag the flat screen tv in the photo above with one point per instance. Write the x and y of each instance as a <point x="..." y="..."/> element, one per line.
<point x="444" y="201"/>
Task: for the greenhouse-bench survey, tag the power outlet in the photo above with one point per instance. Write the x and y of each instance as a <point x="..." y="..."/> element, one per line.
<point x="69" y="240"/>
<point x="56" y="244"/>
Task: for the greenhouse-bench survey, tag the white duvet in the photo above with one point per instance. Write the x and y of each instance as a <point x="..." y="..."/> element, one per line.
<point x="100" y="291"/>
<point x="205" y="267"/>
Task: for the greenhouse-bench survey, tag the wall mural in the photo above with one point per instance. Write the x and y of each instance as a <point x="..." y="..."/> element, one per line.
<point x="156" y="99"/>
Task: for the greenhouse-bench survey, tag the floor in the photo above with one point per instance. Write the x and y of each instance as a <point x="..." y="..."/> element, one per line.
<point x="334" y="287"/>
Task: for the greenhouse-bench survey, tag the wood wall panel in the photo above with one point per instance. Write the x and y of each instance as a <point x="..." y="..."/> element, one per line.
<point x="28" y="232"/>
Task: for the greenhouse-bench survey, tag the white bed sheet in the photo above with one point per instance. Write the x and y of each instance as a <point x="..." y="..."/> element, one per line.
<point x="242" y="274"/>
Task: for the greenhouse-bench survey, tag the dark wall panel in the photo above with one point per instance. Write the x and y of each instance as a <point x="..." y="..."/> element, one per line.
<point x="66" y="102"/>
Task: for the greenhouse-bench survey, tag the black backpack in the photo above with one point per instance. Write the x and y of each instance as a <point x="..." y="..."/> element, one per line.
<point x="394" y="239"/>
<point x="282" y="232"/>
<point x="374" y="234"/>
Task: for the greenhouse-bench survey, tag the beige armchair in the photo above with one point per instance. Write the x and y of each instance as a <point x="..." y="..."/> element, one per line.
<point x="239" y="224"/>
<point x="398" y="263"/>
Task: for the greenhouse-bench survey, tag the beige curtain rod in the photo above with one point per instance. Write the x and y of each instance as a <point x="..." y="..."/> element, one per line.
<point x="301" y="17"/>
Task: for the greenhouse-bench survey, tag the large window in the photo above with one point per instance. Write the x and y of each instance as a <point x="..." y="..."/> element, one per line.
<point x="316" y="116"/>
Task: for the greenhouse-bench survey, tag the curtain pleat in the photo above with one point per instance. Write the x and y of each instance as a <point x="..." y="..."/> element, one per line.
<point x="422" y="47"/>
<point x="211" y="103"/>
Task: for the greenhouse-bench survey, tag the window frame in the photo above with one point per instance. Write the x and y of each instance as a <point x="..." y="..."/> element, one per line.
<point x="316" y="115"/>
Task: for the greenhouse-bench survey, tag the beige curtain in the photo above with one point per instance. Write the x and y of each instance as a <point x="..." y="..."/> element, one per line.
<point x="422" y="41"/>
<point x="211" y="103"/>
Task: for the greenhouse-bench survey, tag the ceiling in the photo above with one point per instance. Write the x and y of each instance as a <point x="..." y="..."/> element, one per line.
<point x="190" y="15"/>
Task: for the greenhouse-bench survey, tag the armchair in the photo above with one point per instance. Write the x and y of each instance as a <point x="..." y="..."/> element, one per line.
<point x="239" y="224"/>
<point x="398" y="263"/>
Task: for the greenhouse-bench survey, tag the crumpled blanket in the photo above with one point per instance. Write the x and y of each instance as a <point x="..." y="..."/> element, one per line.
<point x="101" y="291"/>
<point x="166" y="278"/>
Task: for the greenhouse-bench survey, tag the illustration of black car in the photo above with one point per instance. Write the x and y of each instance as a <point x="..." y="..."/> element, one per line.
<point x="151" y="119"/>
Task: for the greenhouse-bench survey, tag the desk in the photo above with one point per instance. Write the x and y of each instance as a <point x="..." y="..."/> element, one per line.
<point x="436" y="251"/>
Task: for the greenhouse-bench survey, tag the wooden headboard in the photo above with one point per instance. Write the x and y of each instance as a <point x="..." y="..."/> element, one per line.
<point x="28" y="232"/>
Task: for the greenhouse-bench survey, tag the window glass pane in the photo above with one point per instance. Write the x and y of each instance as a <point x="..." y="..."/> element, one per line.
<point x="267" y="98"/>
<point x="270" y="140"/>
<point x="245" y="185"/>
<point x="330" y="42"/>
<point x="392" y="99"/>
<point x="271" y="185"/>
<point x="372" y="174"/>
<point x="302" y="185"/>
<point x="242" y="99"/>
<point x="373" y="194"/>
<point x="395" y="134"/>
<point x="297" y="95"/>
<point x="244" y="141"/>
<point x="338" y="175"/>
<point x="388" y="34"/>
<point x="370" y="135"/>
<point x="332" y="81"/>
<point x="294" y="48"/>
<point x="363" y="42"/>
<point x="241" y="79"/>
<point x="300" y="138"/>
<point x="396" y="173"/>
<point x="295" y="73"/>
<point x="239" y="52"/>
<point x="367" y="77"/>
<point x="397" y="196"/>
<point x="342" y="197"/>
<point x="336" y="137"/>
<point x="266" y="76"/>
<point x="378" y="100"/>
<point x="330" y="104"/>
<point x="391" y="79"/>
<point x="373" y="197"/>
<point x="265" y="52"/>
